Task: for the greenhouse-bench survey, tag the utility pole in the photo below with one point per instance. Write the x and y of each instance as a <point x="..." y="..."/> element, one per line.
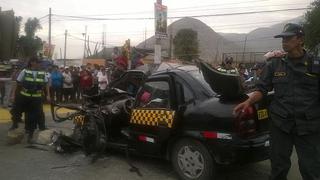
<point x="60" y="54"/>
<point x="244" y="48"/>
<point x="65" y="47"/>
<point x="49" y="33"/>
<point x="145" y="38"/>
<point x="217" y="50"/>
<point x="171" y="41"/>
<point x="157" y="46"/>
<point x="170" y="46"/>
<point x="85" y="40"/>
<point x="222" y="48"/>
<point x="103" y="35"/>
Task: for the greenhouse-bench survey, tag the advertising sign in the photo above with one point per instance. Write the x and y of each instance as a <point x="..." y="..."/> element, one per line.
<point x="160" y="14"/>
<point x="48" y="49"/>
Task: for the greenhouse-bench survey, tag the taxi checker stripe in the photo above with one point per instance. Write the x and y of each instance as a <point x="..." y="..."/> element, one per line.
<point x="152" y="117"/>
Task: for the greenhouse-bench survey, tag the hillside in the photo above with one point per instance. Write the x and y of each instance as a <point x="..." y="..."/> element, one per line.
<point x="211" y="44"/>
<point x="261" y="39"/>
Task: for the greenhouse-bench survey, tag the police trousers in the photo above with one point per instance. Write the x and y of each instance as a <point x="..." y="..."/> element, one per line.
<point x="32" y="107"/>
<point x="308" y="151"/>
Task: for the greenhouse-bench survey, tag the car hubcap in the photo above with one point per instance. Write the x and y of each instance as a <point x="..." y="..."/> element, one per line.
<point x="191" y="162"/>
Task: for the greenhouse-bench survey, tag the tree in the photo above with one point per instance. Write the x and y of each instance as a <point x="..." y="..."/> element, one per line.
<point x="18" y="20"/>
<point x="9" y="30"/>
<point x="30" y="44"/>
<point x="186" y="46"/>
<point x="312" y="26"/>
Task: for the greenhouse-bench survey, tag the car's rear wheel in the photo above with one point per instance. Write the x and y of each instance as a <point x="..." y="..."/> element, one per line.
<point x="191" y="160"/>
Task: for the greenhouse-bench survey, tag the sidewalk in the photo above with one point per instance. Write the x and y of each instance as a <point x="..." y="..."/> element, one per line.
<point x="5" y="115"/>
<point x="44" y="137"/>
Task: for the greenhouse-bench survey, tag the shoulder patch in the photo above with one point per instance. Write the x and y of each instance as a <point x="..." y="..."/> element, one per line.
<point x="279" y="74"/>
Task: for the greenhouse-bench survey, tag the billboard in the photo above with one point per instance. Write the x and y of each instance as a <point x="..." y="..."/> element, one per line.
<point x="160" y="16"/>
<point x="48" y="49"/>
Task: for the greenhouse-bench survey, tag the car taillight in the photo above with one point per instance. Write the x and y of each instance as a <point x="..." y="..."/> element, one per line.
<point x="245" y="124"/>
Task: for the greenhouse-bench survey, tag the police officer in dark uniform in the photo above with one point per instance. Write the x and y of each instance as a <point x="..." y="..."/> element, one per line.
<point x="30" y="83"/>
<point x="295" y="108"/>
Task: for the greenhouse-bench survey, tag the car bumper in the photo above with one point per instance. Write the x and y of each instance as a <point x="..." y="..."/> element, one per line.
<point x="239" y="151"/>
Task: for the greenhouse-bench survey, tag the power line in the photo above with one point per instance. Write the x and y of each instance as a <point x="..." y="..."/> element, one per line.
<point x="174" y="9"/>
<point x="90" y="41"/>
<point x="277" y="5"/>
<point x="152" y="31"/>
<point x="242" y="24"/>
<point x="244" y="13"/>
<point x="77" y="18"/>
<point x="44" y="22"/>
<point x="246" y="2"/>
<point x="43" y="17"/>
<point x="192" y="9"/>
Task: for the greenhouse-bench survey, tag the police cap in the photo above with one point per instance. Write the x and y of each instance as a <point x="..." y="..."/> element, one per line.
<point x="291" y="29"/>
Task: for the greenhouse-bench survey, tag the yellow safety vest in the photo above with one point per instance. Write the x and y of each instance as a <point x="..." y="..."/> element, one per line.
<point x="32" y="86"/>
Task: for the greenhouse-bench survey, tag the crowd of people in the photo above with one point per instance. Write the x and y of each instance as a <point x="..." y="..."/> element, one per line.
<point x="33" y="85"/>
<point x="249" y="75"/>
<point x="67" y="84"/>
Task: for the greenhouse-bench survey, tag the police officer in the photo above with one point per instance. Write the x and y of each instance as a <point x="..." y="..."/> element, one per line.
<point x="295" y="108"/>
<point x="30" y="83"/>
<point x="227" y="66"/>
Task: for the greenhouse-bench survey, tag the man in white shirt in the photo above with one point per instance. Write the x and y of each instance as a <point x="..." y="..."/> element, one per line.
<point x="102" y="79"/>
<point x="67" y="85"/>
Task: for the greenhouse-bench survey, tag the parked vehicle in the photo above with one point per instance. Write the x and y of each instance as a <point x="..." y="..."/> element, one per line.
<point x="175" y="114"/>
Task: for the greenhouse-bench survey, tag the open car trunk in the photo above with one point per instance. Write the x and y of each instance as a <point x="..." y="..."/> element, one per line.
<point x="230" y="89"/>
<point x="227" y="85"/>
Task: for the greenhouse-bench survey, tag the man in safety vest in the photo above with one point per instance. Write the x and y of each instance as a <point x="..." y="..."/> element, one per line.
<point x="227" y="66"/>
<point x="30" y="83"/>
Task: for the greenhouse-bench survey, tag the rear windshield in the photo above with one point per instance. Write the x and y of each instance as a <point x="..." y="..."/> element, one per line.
<point x="199" y="76"/>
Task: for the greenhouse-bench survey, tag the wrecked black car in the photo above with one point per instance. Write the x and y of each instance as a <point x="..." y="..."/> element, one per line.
<point x="181" y="113"/>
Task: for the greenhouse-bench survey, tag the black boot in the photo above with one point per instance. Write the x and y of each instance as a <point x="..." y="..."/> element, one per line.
<point x="13" y="126"/>
<point x="29" y="139"/>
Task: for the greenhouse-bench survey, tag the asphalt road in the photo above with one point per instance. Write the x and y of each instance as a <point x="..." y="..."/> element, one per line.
<point x="21" y="161"/>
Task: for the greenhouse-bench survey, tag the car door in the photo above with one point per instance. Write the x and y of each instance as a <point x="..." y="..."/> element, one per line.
<point x="153" y="118"/>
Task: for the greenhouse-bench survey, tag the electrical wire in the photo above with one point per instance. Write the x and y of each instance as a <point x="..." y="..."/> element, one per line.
<point x="76" y="18"/>
<point x="174" y="9"/>
<point x="241" y="7"/>
<point x="90" y="41"/>
<point x="43" y="17"/>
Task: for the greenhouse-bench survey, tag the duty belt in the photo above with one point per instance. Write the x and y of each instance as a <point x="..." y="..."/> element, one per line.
<point x="31" y="94"/>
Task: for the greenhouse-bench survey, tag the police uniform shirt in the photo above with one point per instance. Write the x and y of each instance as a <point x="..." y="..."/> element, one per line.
<point x="295" y="105"/>
<point x="23" y="72"/>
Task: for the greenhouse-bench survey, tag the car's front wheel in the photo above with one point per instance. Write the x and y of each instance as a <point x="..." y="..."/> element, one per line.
<point x="191" y="160"/>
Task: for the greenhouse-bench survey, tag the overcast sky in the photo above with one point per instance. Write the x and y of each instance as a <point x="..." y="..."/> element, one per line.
<point x="117" y="31"/>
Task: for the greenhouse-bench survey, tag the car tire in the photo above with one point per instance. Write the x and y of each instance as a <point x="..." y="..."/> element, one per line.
<point x="192" y="161"/>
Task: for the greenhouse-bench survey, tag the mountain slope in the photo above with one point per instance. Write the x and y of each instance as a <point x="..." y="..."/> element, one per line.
<point x="261" y="39"/>
<point x="211" y="44"/>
